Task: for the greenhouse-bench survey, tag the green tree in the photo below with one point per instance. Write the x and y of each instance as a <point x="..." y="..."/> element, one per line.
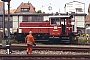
<point x="39" y="11"/>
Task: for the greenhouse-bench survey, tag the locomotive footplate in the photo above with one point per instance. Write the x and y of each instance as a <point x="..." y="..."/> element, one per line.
<point x="41" y="40"/>
<point x="54" y="39"/>
<point x="65" y="39"/>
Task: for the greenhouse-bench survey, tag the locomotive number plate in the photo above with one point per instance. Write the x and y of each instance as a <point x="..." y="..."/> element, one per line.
<point x="55" y="27"/>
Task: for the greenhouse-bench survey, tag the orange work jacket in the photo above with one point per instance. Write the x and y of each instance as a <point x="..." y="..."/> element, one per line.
<point x="29" y="38"/>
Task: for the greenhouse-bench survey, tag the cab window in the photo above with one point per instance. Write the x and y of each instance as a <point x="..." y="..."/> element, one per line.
<point x="55" y="21"/>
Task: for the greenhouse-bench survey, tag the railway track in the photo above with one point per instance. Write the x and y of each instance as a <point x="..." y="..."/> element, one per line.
<point x="52" y="48"/>
<point x="56" y="53"/>
<point x="45" y="57"/>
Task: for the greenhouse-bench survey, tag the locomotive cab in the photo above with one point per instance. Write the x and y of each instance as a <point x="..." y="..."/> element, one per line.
<point x="61" y="28"/>
<point x="61" y="22"/>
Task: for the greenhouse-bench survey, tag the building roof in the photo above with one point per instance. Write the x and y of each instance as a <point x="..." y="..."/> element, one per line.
<point x="11" y="11"/>
<point x="87" y="18"/>
<point x="25" y="5"/>
<point x="41" y="14"/>
<point x="1" y="4"/>
<point x="74" y="1"/>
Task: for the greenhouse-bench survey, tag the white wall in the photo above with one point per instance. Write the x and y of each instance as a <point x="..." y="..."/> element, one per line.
<point x="54" y="9"/>
<point x="15" y="21"/>
<point x="20" y="19"/>
<point x="72" y="7"/>
<point x="46" y="18"/>
<point x="79" y="22"/>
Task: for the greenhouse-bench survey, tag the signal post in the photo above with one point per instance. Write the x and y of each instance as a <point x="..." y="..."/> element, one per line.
<point x="8" y="42"/>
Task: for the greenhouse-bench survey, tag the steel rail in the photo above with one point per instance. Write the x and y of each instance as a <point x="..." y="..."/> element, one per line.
<point x="55" y="48"/>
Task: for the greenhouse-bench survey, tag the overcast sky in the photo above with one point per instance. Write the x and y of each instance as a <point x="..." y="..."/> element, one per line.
<point x="38" y="3"/>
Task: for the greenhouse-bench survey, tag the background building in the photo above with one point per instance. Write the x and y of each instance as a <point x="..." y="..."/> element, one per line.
<point x="75" y="6"/>
<point x="25" y="8"/>
<point x="50" y="8"/>
<point x="1" y="12"/>
<point x="79" y="22"/>
<point x="89" y="9"/>
<point x="78" y="10"/>
<point x="15" y="19"/>
<point x="1" y="7"/>
<point x="88" y="21"/>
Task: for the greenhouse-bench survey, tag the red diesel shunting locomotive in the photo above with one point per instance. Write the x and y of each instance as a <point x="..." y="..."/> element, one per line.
<point x="57" y="30"/>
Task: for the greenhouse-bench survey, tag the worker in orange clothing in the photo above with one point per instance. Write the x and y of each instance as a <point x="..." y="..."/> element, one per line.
<point x="29" y="40"/>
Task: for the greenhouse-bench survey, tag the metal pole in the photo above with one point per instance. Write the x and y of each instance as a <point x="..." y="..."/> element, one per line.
<point x="9" y="21"/>
<point x="8" y="49"/>
<point x="3" y="19"/>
